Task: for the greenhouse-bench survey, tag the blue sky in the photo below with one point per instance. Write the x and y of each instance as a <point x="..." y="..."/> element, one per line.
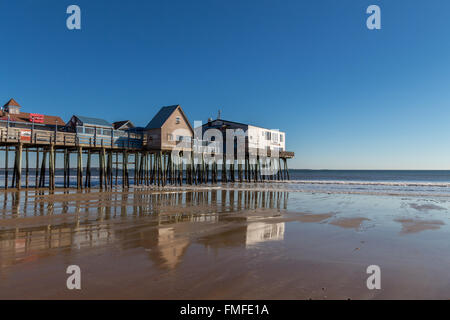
<point x="348" y="97"/>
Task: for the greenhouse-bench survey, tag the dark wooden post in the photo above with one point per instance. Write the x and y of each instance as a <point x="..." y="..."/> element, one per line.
<point x="65" y="166"/>
<point x="26" y="168"/>
<point x="87" y="181"/>
<point x="80" y="168"/>
<point x="42" y="176"/>
<point x="117" y="166"/>
<point x="287" y="169"/>
<point x="224" y="169"/>
<point x="110" y="166"/>
<point x="6" y="165"/>
<point x="51" y="167"/>
<point x="100" y="168"/>
<point x="37" y="169"/>
<point x="68" y="169"/>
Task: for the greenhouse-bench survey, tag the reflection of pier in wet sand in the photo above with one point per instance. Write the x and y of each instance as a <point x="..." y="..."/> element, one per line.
<point x="42" y="223"/>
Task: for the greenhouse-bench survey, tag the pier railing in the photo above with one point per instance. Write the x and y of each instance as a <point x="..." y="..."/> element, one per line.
<point x="59" y="138"/>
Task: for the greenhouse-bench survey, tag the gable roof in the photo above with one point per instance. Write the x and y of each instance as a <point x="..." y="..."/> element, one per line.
<point x="161" y="117"/>
<point x="119" y="124"/>
<point x="163" y="114"/>
<point x="93" y="121"/>
<point x="11" y="103"/>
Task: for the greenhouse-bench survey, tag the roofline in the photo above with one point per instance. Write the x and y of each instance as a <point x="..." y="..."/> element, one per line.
<point x="12" y="100"/>
<point x="182" y="113"/>
<point x="110" y="125"/>
<point x="244" y="124"/>
<point x="124" y="123"/>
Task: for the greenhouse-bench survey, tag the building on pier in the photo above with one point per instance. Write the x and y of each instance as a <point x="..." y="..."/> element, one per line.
<point x="11" y="116"/>
<point x="169" y="127"/>
<point x="99" y="132"/>
<point x="251" y="145"/>
<point x="256" y="138"/>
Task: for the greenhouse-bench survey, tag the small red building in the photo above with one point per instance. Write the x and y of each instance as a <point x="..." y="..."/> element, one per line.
<point x="12" y="116"/>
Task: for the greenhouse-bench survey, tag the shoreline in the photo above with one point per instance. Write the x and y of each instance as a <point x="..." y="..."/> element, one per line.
<point x="238" y="186"/>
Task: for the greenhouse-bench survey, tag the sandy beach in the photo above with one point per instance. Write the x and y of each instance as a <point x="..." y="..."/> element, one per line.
<point x="222" y="242"/>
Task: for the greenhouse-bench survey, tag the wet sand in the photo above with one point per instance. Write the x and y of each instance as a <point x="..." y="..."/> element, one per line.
<point x="222" y="243"/>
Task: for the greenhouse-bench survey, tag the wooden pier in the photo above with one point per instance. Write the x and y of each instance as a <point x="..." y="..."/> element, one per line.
<point x="150" y="166"/>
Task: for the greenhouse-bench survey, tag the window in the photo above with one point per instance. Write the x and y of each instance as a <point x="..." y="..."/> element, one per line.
<point x="275" y="137"/>
<point x="89" y="130"/>
<point x="170" y="137"/>
<point x="281" y="138"/>
<point x="184" y="138"/>
<point x="268" y="135"/>
<point x="80" y="130"/>
<point x="177" y="120"/>
<point x="107" y="132"/>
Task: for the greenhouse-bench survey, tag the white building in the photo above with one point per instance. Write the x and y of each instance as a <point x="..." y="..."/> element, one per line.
<point x="262" y="138"/>
<point x="257" y="137"/>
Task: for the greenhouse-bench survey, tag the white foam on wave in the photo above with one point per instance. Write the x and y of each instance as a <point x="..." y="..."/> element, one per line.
<point x="370" y="183"/>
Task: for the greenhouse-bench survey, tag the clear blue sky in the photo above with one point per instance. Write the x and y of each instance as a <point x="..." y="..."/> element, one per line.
<point x="348" y="97"/>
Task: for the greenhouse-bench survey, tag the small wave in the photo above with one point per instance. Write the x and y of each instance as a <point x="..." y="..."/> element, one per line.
<point x="370" y="183"/>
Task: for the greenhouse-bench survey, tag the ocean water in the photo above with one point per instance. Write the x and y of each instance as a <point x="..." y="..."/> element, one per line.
<point x="381" y="182"/>
<point x="395" y="182"/>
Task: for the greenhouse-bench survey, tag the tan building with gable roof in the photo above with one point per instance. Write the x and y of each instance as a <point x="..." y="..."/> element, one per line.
<point x="168" y="127"/>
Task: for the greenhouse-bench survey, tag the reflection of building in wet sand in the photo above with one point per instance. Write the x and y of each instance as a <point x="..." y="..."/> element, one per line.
<point x="261" y="231"/>
<point x="247" y="235"/>
<point x="156" y="221"/>
<point x="28" y="243"/>
<point x="166" y="246"/>
<point x="170" y="249"/>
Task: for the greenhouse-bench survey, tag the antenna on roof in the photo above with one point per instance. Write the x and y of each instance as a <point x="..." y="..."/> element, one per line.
<point x="218" y="114"/>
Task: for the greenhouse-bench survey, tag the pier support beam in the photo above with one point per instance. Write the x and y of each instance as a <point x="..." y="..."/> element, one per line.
<point x="80" y="168"/>
<point x="18" y="166"/>
<point x="51" y="168"/>
<point x="42" y="175"/>
<point x="87" y="179"/>
<point x="27" y="168"/>
<point x="6" y="165"/>
<point x="36" y="181"/>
